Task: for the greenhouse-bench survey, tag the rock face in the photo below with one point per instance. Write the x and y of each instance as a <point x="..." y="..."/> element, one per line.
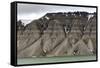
<point x="57" y="34"/>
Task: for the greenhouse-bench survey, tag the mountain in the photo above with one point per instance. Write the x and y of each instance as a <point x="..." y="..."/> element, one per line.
<point x="58" y="34"/>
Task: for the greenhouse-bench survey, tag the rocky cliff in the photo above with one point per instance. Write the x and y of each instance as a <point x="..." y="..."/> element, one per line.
<point x="58" y="34"/>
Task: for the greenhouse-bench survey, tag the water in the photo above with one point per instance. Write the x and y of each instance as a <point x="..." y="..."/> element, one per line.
<point x="54" y="59"/>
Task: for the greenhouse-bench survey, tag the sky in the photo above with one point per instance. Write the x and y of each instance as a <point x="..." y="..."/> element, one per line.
<point x="29" y="12"/>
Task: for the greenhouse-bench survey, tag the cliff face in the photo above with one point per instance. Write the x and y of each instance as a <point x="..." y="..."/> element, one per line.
<point x="58" y="34"/>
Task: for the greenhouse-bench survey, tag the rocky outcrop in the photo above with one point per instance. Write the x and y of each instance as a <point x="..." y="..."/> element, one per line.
<point x="58" y="34"/>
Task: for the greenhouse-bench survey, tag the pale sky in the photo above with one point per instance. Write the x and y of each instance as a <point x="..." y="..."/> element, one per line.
<point x="29" y="12"/>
